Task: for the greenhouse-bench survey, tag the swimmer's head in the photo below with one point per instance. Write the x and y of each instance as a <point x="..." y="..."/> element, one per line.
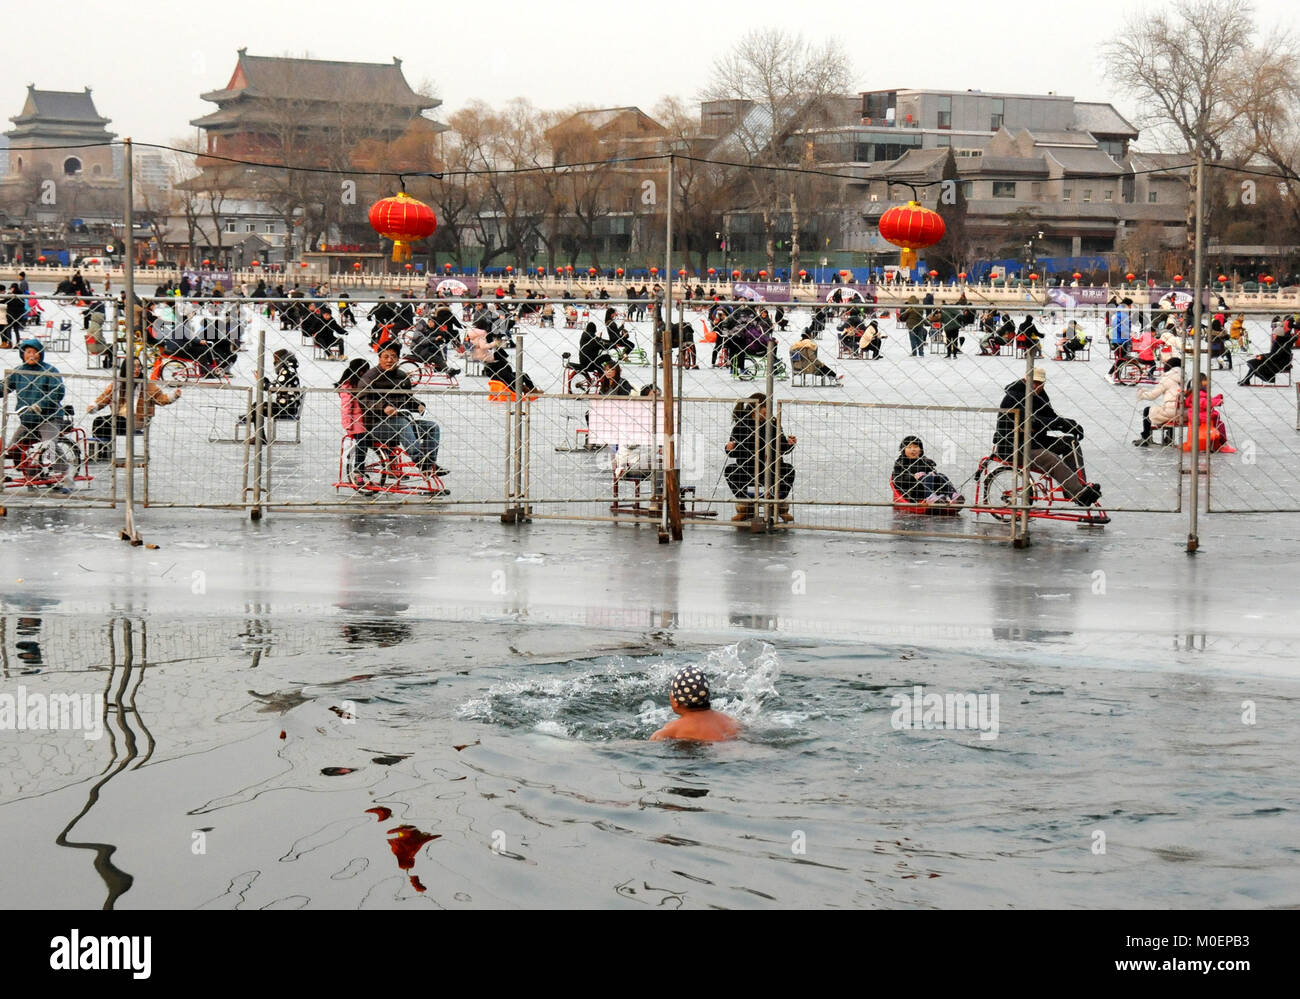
<point x="690" y="689"/>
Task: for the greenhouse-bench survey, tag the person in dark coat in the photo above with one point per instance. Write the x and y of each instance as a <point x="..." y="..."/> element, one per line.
<point x="389" y="410"/>
<point x="592" y="348"/>
<point x="1268" y="366"/>
<point x="1052" y="449"/>
<point x="754" y="435"/>
<point x="918" y="479"/>
<point x="15" y="310"/>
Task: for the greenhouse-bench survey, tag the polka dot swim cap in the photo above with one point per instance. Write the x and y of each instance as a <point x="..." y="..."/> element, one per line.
<point x="690" y="689"/>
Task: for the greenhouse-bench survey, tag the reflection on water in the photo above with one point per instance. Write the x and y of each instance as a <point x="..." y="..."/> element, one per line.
<point x="120" y="707"/>
<point x="378" y="627"/>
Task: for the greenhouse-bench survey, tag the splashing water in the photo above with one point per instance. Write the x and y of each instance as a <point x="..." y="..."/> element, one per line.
<point x="617" y="698"/>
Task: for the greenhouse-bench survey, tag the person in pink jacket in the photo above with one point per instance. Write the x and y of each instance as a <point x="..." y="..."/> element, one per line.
<point x="353" y="424"/>
<point x="1209" y="412"/>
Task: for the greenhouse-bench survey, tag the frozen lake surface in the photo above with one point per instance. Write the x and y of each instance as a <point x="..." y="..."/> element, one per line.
<point x="392" y="712"/>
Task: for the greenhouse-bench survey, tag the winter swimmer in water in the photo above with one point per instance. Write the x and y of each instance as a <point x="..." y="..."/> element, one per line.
<point x="689" y="697"/>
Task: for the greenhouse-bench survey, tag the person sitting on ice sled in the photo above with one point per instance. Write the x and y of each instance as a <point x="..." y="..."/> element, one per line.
<point x="689" y="698"/>
<point x="918" y="479"/>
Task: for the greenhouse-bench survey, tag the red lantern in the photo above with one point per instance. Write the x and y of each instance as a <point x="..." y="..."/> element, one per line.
<point x="1076" y="275"/>
<point x="961" y="275"/>
<point x="1268" y="279"/>
<point x="845" y="274"/>
<point x="510" y="268"/>
<point x="447" y="268"/>
<point x="763" y="275"/>
<point x="913" y="228"/>
<point x="803" y="274"/>
<point x="41" y="259"/>
<point x="1129" y="276"/>
<point x="95" y="262"/>
<point x="408" y="267"/>
<point x="303" y="265"/>
<point x="654" y="271"/>
<point x="255" y="263"/>
<point x="591" y="271"/>
<point x="568" y="268"/>
<point x="541" y="272"/>
<point x="1223" y="279"/>
<point x="152" y="263"/>
<point x="402" y="219"/>
<point x="682" y="272"/>
<point x="1033" y="277"/>
<point x="935" y="274"/>
<point x="206" y="263"/>
<point x="619" y="272"/>
<point x="357" y="266"/>
<point x="735" y="274"/>
<point x="1178" y="279"/>
<point x="712" y="271"/>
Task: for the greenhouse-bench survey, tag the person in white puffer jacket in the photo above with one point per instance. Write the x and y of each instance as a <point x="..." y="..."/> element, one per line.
<point x="1168" y="411"/>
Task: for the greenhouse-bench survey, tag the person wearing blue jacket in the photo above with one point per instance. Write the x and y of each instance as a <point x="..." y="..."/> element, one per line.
<point x="38" y="390"/>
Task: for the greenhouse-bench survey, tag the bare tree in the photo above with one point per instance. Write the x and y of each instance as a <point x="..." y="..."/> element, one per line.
<point x="699" y="187"/>
<point x="505" y="147"/>
<point x="1185" y="66"/>
<point x="779" y="85"/>
<point x="1268" y="102"/>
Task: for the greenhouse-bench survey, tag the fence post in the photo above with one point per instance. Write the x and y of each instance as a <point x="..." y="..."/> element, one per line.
<point x="254" y="434"/>
<point x="129" y="532"/>
<point x="514" y="512"/>
<point x="1020" y="511"/>
<point x="770" y="427"/>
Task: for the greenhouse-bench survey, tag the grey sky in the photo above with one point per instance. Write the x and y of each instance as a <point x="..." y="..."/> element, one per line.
<point x="147" y="62"/>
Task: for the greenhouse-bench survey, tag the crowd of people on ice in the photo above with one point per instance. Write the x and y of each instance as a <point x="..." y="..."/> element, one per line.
<point x="381" y="409"/>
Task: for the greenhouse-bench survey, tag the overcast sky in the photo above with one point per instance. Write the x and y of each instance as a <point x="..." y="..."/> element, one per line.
<point x="147" y="62"/>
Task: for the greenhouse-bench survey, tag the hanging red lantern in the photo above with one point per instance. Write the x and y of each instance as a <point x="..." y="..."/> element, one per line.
<point x="712" y="271"/>
<point x="763" y="275"/>
<point x="1033" y="277"/>
<point x="592" y="271"/>
<point x="1223" y="279"/>
<point x="735" y="274"/>
<point x="1076" y="275"/>
<point x="568" y="268"/>
<point x="255" y="263"/>
<point x="447" y="267"/>
<point x="961" y="275"/>
<point x="1268" y="279"/>
<point x="1178" y="279"/>
<point x="403" y="219"/>
<point x="510" y="268"/>
<point x="408" y="266"/>
<point x="152" y="263"/>
<point x="541" y="272"/>
<point x="654" y="271"/>
<point x="206" y="263"/>
<point x="1129" y="276"/>
<point x="682" y="272"/>
<point x="912" y="227"/>
<point x="846" y="274"/>
<point x="41" y="259"/>
<point x="935" y="274"/>
<point x="619" y="272"/>
<point x="803" y="274"/>
<point x="357" y="266"/>
<point x="303" y="265"/>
